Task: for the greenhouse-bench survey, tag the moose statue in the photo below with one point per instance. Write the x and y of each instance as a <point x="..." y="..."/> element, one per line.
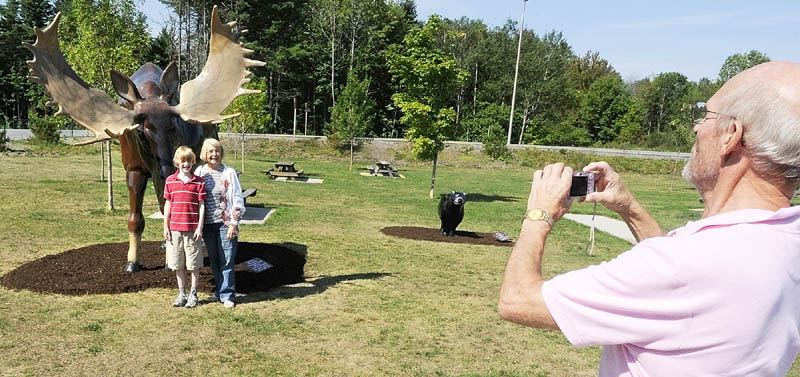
<point x="154" y="116"/>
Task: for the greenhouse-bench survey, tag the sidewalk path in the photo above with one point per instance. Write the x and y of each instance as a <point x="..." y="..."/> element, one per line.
<point x="611" y="226"/>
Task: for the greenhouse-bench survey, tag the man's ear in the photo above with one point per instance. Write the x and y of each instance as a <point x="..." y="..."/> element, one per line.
<point x="733" y="137"/>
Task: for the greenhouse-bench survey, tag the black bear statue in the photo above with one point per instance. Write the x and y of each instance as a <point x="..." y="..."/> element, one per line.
<point x="451" y="211"/>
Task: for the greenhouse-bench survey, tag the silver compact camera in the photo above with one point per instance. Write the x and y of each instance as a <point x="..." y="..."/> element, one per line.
<point x="583" y="183"/>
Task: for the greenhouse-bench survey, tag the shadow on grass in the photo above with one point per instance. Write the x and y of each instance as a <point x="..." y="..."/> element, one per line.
<point x="475" y="197"/>
<point x="309" y="287"/>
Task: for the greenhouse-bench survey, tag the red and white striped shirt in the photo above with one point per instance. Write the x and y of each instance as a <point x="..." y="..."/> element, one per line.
<point x="185" y="199"/>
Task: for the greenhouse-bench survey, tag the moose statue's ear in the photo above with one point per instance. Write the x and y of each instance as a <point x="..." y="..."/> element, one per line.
<point x="125" y="87"/>
<point x="169" y="81"/>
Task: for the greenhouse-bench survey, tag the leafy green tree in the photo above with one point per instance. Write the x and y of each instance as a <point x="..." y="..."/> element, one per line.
<point x="739" y="62"/>
<point x="17" y="19"/>
<point x="103" y="35"/>
<point x="99" y="36"/>
<point x="702" y="90"/>
<point x="542" y="88"/>
<point x="428" y="78"/>
<point x="488" y="125"/>
<point x="665" y="99"/>
<point x="253" y="113"/>
<point x="463" y="39"/>
<point x="36" y="12"/>
<point x="160" y="52"/>
<point x="497" y="70"/>
<point x="352" y="114"/>
<point x="477" y="126"/>
<point x="604" y="106"/>
<point x="586" y="69"/>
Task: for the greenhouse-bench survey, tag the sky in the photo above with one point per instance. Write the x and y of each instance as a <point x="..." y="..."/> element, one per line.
<point x="639" y="38"/>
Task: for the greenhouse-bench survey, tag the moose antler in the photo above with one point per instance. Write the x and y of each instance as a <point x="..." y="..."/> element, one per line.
<point x="204" y="98"/>
<point x="91" y="108"/>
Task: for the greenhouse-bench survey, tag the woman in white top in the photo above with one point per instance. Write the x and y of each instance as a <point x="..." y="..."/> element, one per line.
<point x="224" y="209"/>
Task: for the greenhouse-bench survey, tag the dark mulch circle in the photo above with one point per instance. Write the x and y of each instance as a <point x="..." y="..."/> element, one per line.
<point x="432" y="234"/>
<point x="98" y="269"/>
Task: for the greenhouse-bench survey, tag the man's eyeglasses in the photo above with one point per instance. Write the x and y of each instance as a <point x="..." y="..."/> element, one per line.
<point x="700" y="113"/>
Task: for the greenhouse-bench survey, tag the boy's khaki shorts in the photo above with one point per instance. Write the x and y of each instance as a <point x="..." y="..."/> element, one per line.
<point x="183" y="252"/>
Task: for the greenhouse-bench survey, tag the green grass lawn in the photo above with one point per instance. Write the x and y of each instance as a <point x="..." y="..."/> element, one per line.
<point x="372" y="305"/>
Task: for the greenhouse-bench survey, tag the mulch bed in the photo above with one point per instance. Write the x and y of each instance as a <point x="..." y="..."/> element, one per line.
<point x="99" y="269"/>
<point x="433" y="234"/>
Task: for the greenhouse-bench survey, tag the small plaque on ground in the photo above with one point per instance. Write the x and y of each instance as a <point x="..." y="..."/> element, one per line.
<point x="256" y="265"/>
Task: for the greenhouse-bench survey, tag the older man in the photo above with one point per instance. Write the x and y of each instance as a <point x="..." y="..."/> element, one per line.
<point x="719" y="296"/>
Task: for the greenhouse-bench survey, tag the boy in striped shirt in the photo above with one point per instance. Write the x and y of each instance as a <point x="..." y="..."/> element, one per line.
<point x="183" y="224"/>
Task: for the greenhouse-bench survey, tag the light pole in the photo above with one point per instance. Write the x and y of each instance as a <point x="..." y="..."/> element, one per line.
<point x="516" y="73"/>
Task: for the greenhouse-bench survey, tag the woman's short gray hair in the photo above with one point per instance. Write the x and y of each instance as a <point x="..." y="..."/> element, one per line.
<point x="771" y="128"/>
<point x="209" y="144"/>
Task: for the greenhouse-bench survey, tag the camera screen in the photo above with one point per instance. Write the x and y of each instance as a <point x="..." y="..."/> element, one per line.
<point x="579" y="186"/>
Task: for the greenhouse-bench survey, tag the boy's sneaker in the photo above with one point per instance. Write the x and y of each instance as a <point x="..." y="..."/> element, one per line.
<point x="213" y="298"/>
<point x="228" y="304"/>
<point x="179" y="301"/>
<point x="192" y="301"/>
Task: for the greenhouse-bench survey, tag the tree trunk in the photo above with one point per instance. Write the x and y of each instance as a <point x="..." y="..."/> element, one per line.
<point x="352" y="49"/>
<point x="524" y="122"/>
<point x="102" y="161"/>
<point x="305" y="120"/>
<point x="351" y="153"/>
<point x="110" y="186"/>
<point x="459" y="101"/>
<point x="242" y="128"/>
<point x="294" y="120"/>
<point x="475" y="90"/>
<point x="433" y="175"/>
<point x="333" y="63"/>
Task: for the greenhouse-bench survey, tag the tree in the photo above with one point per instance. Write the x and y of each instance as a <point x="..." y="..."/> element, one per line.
<point x="352" y="115"/>
<point x="253" y="113"/>
<point x="487" y="125"/>
<point x="664" y="99"/>
<point x="327" y="21"/>
<point x="604" y="106"/>
<point x="739" y="62"/>
<point x="586" y="69"/>
<point x="477" y="126"/>
<point x="161" y="48"/>
<point x="428" y="77"/>
<point x="542" y="89"/>
<point x="100" y="36"/>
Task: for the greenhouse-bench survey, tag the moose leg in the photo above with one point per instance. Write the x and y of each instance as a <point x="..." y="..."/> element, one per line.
<point x="137" y="183"/>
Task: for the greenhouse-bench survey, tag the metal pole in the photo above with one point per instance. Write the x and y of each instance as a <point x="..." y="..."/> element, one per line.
<point x="516" y="73"/>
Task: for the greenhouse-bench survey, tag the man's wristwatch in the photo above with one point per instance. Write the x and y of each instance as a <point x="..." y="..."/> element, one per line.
<point x="537" y="214"/>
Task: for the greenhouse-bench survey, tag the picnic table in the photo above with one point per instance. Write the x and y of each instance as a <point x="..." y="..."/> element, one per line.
<point x="284" y="169"/>
<point x="383" y="168"/>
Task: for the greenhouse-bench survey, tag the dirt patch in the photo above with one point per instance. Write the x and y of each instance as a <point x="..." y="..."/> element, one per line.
<point x="432" y="234"/>
<point x="98" y="269"/>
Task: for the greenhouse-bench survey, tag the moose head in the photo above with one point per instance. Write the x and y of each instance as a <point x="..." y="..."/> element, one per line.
<point x="149" y="121"/>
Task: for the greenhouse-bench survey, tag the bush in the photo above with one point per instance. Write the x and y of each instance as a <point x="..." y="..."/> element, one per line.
<point x="45" y="129"/>
<point x="494" y="144"/>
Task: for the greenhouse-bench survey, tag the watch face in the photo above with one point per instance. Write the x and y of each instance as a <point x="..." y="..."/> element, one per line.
<point x="536" y="214"/>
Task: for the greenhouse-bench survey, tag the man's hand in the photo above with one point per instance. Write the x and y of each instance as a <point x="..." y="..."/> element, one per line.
<point x="550" y="189"/>
<point x="615" y="196"/>
<point x="167" y="234"/>
<point x="610" y="191"/>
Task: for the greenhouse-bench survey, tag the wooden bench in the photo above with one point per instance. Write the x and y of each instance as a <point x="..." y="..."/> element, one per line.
<point x="248" y="193"/>
<point x="284" y="169"/>
<point x="289" y="174"/>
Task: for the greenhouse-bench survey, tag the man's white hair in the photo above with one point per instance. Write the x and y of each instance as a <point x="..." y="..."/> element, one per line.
<point x="769" y="108"/>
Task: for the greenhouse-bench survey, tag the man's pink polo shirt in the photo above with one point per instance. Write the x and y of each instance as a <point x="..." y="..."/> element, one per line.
<point x="717" y="297"/>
